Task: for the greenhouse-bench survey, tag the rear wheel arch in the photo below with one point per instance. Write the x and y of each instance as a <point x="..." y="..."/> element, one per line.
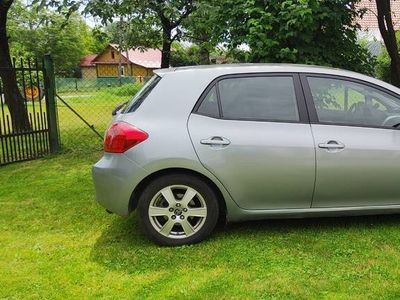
<point x="134" y="200"/>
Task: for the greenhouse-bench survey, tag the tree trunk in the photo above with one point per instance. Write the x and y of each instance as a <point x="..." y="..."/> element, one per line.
<point x="204" y="52"/>
<point x="204" y="56"/>
<point x="166" y="49"/>
<point x="168" y="25"/>
<point x="167" y="41"/>
<point x="12" y="95"/>
<point x="389" y="37"/>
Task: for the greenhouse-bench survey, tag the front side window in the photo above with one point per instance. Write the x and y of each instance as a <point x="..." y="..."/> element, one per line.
<point x="346" y="102"/>
<point x="259" y="98"/>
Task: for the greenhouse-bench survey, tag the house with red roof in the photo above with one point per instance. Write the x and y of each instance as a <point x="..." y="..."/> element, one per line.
<point x="113" y="62"/>
<point x="369" y="21"/>
<point x="369" y="24"/>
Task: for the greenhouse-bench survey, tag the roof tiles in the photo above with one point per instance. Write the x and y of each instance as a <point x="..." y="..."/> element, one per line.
<point x="369" y="20"/>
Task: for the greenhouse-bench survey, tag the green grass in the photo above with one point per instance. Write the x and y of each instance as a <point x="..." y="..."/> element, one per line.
<point x="57" y="243"/>
<point x="95" y="108"/>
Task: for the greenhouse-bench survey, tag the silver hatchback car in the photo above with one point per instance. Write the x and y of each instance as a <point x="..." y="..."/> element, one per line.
<point x="247" y="142"/>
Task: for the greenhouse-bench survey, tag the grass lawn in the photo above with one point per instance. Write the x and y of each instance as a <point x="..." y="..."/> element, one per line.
<point x="95" y="107"/>
<point x="57" y="243"/>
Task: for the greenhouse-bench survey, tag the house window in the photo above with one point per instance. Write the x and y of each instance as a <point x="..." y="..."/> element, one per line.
<point x="112" y="54"/>
<point x="122" y="71"/>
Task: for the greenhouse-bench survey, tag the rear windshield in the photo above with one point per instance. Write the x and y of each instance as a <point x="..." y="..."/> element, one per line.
<point x="133" y="104"/>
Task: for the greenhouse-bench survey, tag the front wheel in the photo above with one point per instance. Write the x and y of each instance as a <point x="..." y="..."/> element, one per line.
<point x="178" y="209"/>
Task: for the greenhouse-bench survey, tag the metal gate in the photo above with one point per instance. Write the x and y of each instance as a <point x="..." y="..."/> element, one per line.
<point x="34" y="94"/>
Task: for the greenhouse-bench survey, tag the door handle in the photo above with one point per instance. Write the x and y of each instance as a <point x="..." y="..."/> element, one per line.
<point x="215" y="141"/>
<point x="331" y="145"/>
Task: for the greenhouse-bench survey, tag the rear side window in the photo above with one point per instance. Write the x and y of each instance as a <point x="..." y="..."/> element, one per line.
<point x="260" y="98"/>
<point x="133" y="104"/>
<point x="209" y="106"/>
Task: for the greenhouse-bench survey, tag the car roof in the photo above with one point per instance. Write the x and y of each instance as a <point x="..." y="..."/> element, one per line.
<point x="252" y="68"/>
<point x="248" y="68"/>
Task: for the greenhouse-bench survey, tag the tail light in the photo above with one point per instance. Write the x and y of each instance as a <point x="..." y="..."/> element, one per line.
<point x="122" y="136"/>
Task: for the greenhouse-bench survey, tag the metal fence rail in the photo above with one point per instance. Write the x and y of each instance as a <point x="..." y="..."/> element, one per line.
<point x="71" y="114"/>
<point x="21" y="146"/>
<point x="35" y="140"/>
<point x="85" y="106"/>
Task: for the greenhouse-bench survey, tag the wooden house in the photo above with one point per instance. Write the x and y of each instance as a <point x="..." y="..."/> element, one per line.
<point x="112" y="62"/>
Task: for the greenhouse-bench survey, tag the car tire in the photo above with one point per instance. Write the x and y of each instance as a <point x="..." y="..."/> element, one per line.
<point x="177" y="209"/>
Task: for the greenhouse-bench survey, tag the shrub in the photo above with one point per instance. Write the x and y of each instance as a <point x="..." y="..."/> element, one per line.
<point x="129" y="89"/>
<point x="382" y="67"/>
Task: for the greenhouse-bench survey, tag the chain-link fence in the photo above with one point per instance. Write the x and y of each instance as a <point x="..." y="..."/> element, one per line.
<point x="85" y="105"/>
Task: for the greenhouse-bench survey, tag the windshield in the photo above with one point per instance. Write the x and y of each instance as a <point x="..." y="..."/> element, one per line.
<point x="133" y="104"/>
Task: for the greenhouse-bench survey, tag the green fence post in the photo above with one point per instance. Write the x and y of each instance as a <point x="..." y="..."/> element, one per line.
<point x="50" y="92"/>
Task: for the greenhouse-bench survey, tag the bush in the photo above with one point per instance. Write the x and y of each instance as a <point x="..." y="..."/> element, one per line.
<point x="382" y="68"/>
<point x="125" y="90"/>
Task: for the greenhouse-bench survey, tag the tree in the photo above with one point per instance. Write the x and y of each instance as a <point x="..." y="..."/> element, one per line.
<point x="205" y="28"/>
<point x="389" y="37"/>
<point x="184" y="56"/>
<point x="319" y="32"/>
<point x="12" y="95"/>
<point x="34" y="33"/>
<point x="383" y="66"/>
<point x="170" y="15"/>
<point x="147" y="19"/>
<point x="40" y="33"/>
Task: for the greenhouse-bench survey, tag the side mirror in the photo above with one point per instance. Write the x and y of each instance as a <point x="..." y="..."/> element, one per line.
<point x="118" y="108"/>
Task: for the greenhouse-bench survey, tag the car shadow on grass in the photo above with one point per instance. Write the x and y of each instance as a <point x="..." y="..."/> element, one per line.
<point x="123" y="247"/>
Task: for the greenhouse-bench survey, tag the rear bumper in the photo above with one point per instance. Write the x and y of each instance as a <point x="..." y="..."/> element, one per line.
<point x="115" y="177"/>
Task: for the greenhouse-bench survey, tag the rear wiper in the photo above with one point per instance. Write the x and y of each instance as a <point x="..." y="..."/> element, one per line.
<point x="118" y="108"/>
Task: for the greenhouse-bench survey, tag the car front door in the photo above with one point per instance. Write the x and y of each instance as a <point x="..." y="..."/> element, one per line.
<point x="252" y="133"/>
<point x="354" y="125"/>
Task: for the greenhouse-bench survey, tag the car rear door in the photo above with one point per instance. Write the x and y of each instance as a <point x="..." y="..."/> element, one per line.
<point x="252" y="133"/>
<point x="357" y="147"/>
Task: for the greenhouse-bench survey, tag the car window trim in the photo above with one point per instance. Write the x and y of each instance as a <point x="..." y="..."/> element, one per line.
<point x="312" y="112"/>
<point x="298" y="90"/>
